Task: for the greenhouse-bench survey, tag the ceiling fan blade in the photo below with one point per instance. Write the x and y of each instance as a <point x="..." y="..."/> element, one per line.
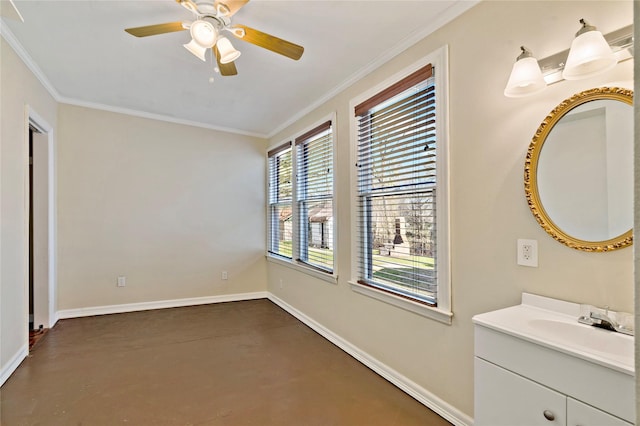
<point x="232" y="5"/>
<point x="9" y="10"/>
<point x="275" y="44"/>
<point x="150" y="30"/>
<point x="225" y="69"/>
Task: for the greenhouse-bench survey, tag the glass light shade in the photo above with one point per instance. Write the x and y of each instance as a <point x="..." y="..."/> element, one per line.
<point x="525" y="79"/>
<point x="589" y="55"/>
<point x="203" y="33"/>
<point x="227" y="52"/>
<point x="195" y="48"/>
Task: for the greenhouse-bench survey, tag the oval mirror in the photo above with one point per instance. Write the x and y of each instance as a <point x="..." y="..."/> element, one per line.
<point x="578" y="174"/>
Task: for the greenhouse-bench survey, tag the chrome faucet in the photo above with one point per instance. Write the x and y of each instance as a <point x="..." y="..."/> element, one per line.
<point x="601" y="320"/>
<point x="597" y="318"/>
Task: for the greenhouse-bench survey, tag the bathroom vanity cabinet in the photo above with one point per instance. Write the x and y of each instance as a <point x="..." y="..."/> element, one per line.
<point x="536" y="365"/>
<point x="506" y="398"/>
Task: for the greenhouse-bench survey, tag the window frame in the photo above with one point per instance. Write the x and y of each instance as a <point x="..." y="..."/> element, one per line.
<point x="273" y="205"/>
<point x="295" y="262"/>
<point x="302" y="186"/>
<point x="442" y="312"/>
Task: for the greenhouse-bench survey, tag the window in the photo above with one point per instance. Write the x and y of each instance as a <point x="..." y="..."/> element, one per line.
<point x="399" y="192"/>
<point x="301" y="217"/>
<point x="280" y="201"/>
<point x="314" y="167"/>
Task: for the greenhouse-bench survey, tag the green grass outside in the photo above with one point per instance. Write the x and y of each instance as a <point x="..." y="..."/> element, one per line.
<point x="410" y="278"/>
<point x="421" y="262"/>
<point x="285" y="248"/>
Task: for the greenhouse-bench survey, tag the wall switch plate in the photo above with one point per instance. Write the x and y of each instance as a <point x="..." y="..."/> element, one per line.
<point x="528" y="253"/>
<point x="122" y="281"/>
<point x="225" y="275"/>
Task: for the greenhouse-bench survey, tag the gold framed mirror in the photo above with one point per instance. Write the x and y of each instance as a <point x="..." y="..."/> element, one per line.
<point x="578" y="173"/>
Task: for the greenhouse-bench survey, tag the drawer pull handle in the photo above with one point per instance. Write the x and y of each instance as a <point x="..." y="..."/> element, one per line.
<point x="549" y="415"/>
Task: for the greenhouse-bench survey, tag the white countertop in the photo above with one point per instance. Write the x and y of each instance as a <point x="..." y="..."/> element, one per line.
<point x="554" y="324"/>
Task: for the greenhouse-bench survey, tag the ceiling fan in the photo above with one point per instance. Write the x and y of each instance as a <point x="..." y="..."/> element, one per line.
<point x="9" y="10"/>
<point x="212" y="18"/>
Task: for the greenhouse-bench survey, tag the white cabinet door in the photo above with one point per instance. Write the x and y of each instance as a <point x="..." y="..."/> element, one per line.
<point x="580" y="414"/>
<point x="503" y="398"/>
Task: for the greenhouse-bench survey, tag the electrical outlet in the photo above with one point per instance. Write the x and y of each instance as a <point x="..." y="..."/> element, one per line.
<point x="225" y="275"/>
<point x="122" y="281"/>
<point x="528" y="253"/>
<point x="281" y="283"/>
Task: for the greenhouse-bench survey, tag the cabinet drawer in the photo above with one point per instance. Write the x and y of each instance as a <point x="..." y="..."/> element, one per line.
<point x="503" y="398"/>
<point x="579" y="414"/>
<point x="559" y="371"/>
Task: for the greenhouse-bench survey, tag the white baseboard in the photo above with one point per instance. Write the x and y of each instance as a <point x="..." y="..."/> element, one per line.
<point x="160" y="304"/>
<point x="411" y="388"/>
<point x="416" y="391"/>
<point x="8" y="369"/>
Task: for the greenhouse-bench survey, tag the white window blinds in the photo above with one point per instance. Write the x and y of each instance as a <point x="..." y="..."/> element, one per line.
<point x="314" y="198"/>
<point x="280" y="201"/>
<point x="397" y="189"/>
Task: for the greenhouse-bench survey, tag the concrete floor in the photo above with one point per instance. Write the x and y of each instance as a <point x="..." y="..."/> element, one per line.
<point x="241" y="363"/>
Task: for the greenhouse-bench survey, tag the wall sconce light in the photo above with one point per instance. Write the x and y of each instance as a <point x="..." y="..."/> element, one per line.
<point x="526" y="76"/>
<point x="587" y="57"/>
<point x="590" y="54"/>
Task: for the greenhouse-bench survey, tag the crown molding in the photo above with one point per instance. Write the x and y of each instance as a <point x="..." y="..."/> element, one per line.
<point x="158" y="117"/>
<point x="28" y="60"/>
<point x="11" y="39"/>
<point x="444" y="18"/>
<point x="448" y="15"/>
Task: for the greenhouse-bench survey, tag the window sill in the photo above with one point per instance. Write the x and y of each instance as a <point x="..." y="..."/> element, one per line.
<point x="324" y="276"/>
<point x="406" y="304"/>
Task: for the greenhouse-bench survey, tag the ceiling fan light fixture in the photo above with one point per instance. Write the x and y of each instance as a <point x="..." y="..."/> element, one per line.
<point x="211" y="18"/>
<point x="227" y="52"/>
<point x="203" y="33"/>
<point x="197" y="50"/>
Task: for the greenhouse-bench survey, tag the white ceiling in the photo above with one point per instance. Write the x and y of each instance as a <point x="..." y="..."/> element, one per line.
<point x="86" y="58"/>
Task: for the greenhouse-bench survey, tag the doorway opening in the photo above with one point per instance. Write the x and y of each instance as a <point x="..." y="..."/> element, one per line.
<point x="40" y="229"/>
<point x="32" y="130"/>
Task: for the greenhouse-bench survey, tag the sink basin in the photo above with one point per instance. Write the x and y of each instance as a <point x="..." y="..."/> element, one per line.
<point x="554" y="324"/>
<point x="541" y="340"/>
<point x="586" y="338"/>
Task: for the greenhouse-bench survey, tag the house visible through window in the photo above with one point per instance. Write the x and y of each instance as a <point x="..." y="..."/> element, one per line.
<point x="314" y="168"/>
<point x="397" y="189"/>
<point x="301" y="206"/>
<point x="280" y="201"/>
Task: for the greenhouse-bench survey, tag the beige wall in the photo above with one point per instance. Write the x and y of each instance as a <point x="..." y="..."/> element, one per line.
<point x="166" y="205"/>
<point x="169" y="206"/>
<point x="489" y="137"/>
<point x="18" y="88"/>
